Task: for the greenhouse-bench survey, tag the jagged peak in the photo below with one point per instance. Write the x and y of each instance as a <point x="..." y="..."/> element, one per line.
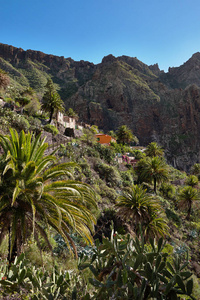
<point x="196" y="55"/>
<point x="109" y="58"/>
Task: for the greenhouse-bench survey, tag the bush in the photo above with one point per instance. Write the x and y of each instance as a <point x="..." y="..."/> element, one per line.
<point x="173" y="216"/>
<point x="107" y="192"/>
<point x="168" y="190"/>
<point x="127" y="178"/>
<point x="12" y="119"/>
<point x="35" y="123"/>
<point x="139" y="154"/>
<point x="106" y="152"/>
<point x="51" y="128"/>
<point x="109" y="173"/>
<point x="86" y="169"/>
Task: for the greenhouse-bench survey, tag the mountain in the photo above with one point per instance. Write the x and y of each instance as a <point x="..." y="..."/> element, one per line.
<point x="157" y="106"/>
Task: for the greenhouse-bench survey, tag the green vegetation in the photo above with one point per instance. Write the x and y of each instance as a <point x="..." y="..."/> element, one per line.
<point x="125" y="135"/>
<point x="153" y="149"/>
<point x="51" y="101"/>
<point x="186" y="197"/>
<point x="50" y="200"/>
<point x="152" y="169"/>
<point x="51" y="128"/>
<point x="129" y="269"/>
<point x="33" y="197"/>
<point x="142" y="211"/>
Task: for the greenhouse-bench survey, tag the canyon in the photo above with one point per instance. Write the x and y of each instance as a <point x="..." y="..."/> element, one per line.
<point x="157" y="106"/>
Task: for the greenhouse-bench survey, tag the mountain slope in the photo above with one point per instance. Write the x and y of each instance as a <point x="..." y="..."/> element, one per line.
<point x="158" y="106"/>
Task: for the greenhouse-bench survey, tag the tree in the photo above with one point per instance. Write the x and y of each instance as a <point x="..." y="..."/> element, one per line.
<point x="72" y="113"/>
<point x="112" y="134"/>
<point x="192" y="180"/>
<point x="152" y="169"/>
<point x="37" y="193"/>
<point x="125" y="135"/>
<point x="195" y="170"/>
<point x="51" y="101"/>
<point x="138" y="208"/>
<point x="186" y="198"/>
<point x="153" y="149"/>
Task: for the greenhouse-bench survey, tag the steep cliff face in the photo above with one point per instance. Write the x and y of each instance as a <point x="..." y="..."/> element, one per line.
<point x="188" y="73"/>
<point x="164" y="107"/>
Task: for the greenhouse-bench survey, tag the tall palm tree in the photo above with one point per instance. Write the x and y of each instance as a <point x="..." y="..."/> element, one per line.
<point x="152" y="169"/>
<point x="37" y="193"/>
<point x="153" y="149"/>
<point x="138" y="208"/>
<point x="51" y="101"/>
<point x="186" y="198"/>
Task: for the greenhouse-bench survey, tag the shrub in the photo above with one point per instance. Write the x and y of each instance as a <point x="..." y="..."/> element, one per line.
<point x="107" y="153"/>
<point x="109" y="173"/>
<point x="127" y="178"/>
<point x="168" y="190"/>
<point x="107" y="192"/>
<point x="173" y="216"/>
<point x="35" y="123"/>
<point x="51" y="128"/>
<point x="12" y="119"/>
<point x="139" y="154"/>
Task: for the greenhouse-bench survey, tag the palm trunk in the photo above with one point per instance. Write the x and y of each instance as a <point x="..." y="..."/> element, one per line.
<point x="189" y="211"/>
<point x="51" y="115"/>
<point x="12" y="253"/>
<point x="154" y="181"/>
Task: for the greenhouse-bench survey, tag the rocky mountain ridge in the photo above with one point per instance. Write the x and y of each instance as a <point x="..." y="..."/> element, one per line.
<point x="157" y="106"/>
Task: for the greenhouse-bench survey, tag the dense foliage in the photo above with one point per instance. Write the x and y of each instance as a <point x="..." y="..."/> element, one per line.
<point x="36" y="193"/>
<point x="52" y="200"/>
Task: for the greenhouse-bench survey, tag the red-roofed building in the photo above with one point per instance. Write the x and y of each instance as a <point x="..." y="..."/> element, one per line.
<point x="104" y="139"/>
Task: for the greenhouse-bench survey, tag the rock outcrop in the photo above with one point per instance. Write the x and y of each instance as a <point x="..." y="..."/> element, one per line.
<point x="157" y="106"/>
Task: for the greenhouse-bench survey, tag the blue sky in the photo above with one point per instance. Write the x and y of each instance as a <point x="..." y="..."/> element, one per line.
<point x="157" y="31"/>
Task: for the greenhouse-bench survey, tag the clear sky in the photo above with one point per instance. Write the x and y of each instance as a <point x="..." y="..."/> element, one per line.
<point x="166" y="32"/>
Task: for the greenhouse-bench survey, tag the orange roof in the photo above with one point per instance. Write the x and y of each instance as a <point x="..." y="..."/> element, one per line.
<point x="104" y="138"/>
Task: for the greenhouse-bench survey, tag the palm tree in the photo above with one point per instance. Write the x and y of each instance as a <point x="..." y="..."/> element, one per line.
<point x="195" y="170"/>
<point x="186" y="198"/>
<point x="33" y="197"/>
<point x="138" y="208"/>
<point x="125" y="135"/>
<point x="192" y="180"/>
<point x="152" y="169"/>
<point x="153" y="149"/>
<point x="156" y="225"/>
<point x="51" y="101"/>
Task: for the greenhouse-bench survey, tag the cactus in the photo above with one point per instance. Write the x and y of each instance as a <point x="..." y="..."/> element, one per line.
<point x="41" y="285"/>
<point x="125" y="269"/>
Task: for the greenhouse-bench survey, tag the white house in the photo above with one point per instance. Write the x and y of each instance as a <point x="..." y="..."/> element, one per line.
<point x="67" y="122"/>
